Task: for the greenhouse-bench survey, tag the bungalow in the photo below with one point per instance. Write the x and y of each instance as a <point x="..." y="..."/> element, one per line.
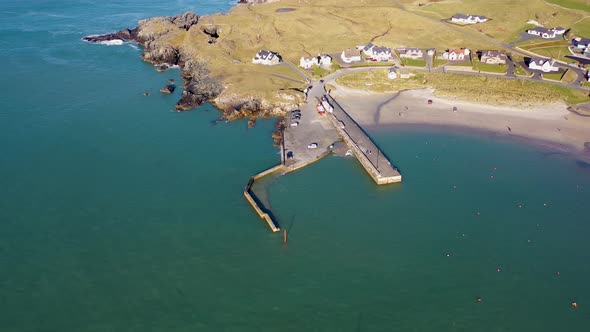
<point x="410" y="52"/>
<point x="546" y="33"/>
<point x="544" y="65"/>
<point x="493" y="57"/>
<point x="430" y="51"/>
<point x="267" y="58"/>
<point x="325" y="60"/>
<point x="391" y="73"/>
<point x="308" y="62"/>
<point x="379" y="53"/>
<point x="350" y="55"/>
<point x="457" y="54"/>
<point x="468" y="19"/>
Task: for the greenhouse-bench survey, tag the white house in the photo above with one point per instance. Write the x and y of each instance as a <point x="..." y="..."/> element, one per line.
<point x="267" y="58"/>
<point x="457" y="54"/>
<point x="493" y="57"/>
<point x="307" y="62"/>
<point x="325" y="60"/>
<point x="350" y="55"/>
<point x="379" y="53"/>
<point x="544" y="65"/>
<point x="410" y="52"/>
<point x="430" y="51"/>
<point x="391" y="73"/>
<point x="468" y="19"/>
<point x="546" y="33"/>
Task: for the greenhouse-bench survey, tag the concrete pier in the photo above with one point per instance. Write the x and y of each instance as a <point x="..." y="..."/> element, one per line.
<point x="260" y="210"/>
<point x="367" y="153"/>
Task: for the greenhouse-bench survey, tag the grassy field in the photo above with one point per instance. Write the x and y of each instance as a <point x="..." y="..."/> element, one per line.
<point x="329" y="26"/>
<point x="519" y="71"/>
<point x="484" y="67"/>
<point x="557" y="53"/>
<point x="573" y="4"/>
<point x="569" y="77"/>
<point x="553" y="77"/>
<point x="460" y="63"/>
<point x="413" y="62"/>
<point x="508" y="17"/>
<point x="479" y="89"/>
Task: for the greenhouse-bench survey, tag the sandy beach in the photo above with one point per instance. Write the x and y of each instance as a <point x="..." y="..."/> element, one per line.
<point x="550" y="125"/>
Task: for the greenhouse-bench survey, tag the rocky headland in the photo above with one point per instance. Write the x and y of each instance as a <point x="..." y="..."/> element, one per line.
<point x="159" y="38"/>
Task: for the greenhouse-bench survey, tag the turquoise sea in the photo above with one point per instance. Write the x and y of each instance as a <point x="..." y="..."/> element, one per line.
<point x="119" y="215"/>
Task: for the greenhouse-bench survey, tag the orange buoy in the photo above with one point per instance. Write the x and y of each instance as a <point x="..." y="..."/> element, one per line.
<point x="285" y="236"/>
<point x="575" y="305"/>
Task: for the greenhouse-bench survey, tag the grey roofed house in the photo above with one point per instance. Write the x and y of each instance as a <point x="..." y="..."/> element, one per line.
<point x="381" y="49"/>
<point x="368" y="47"/>
<point x="583" y="42"/>
<point x="460" y="16"/>
<point x="540" y="30"/>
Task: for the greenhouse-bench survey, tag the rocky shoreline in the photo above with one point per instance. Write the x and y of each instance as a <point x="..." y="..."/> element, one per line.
<point x="200" y="85"/>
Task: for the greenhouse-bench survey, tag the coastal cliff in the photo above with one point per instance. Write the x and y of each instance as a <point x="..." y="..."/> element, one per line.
<point x="164" y="45"/>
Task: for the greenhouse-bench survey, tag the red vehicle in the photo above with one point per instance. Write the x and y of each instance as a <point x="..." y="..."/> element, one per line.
<point x="320" y="109"/>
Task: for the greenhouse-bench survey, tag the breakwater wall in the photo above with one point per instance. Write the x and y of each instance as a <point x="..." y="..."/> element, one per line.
<point x="258" y="207"/>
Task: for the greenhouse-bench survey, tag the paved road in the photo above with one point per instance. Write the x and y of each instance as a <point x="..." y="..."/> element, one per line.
<point x="312" y="128"/>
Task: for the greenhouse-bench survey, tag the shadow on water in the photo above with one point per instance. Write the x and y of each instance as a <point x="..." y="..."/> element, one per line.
<point x="264" y="208"/>
<point x="583" y="165"/>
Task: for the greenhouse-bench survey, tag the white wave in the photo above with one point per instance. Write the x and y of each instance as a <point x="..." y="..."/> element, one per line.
<point x="112" y="42"/>
<point x="133" y="46"/>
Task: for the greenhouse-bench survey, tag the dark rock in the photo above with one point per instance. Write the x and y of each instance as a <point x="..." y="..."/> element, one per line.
<point x="168" y="88"/>
<point x="162" y="67"/>
<point x="171" y="81"/>
<point x="199" y="87"/>
<point x="124" y="35"/>
<point x="185" y="20"/>
<point x="154" y="52"/>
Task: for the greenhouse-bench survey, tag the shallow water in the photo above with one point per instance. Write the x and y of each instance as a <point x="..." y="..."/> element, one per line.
<point x="117" y="214"/>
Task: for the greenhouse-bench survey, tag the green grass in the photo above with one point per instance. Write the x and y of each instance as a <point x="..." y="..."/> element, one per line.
<point x="372" y="64"/>
<point x="438" y="62"/>
<point x="460" y="64"/>
<point x="573" y="4"/>
<point x="557" y="53"/>
<point x="484" y="67"/>
<point x="553" y="77"/>
<point x="413" y="62"/>
<point x="320" y="72"/>
<point x="473" y="88"/>
<point x="569" y="77"/>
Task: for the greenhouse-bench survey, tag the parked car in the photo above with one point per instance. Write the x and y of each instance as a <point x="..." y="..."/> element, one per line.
<point x="289" y="154"/>
<point x="312" y="146"/>
<point x="429" y="101"/>
<point x="296" y="117"/>
<point x="294" y="124"/>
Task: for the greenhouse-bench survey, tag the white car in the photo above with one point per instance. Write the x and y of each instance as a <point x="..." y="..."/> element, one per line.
<point x="294" y="124"/>
<point x="312" y="146"/>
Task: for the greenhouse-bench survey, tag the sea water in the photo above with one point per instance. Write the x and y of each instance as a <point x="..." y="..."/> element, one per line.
<point x="117" y="214"/>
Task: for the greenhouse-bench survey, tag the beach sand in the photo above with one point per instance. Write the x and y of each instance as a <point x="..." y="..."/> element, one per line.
<point x="549" y="125"/>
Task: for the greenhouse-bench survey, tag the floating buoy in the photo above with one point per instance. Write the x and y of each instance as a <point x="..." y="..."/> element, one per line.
<point x="557" y="273"/>
<point x="285" y="236"/>
<point x="498" y="270"/>
<point x="478" y="299"/>
<point x="574" y="305"/>
<point x="491" y="176"/>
